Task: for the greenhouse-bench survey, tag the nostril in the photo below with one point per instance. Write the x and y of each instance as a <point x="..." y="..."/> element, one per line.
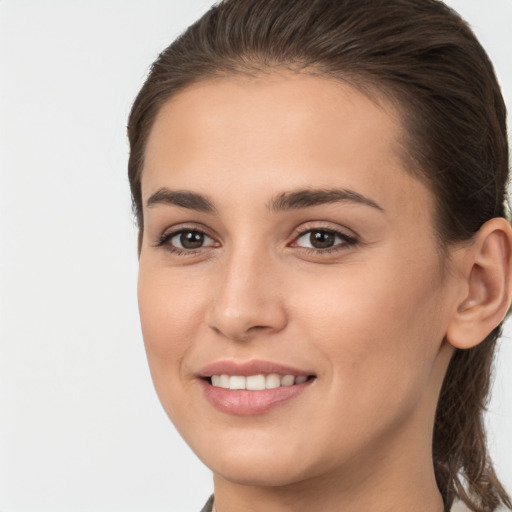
<point x="257" y="328"/>
<point x="241" y="316"/>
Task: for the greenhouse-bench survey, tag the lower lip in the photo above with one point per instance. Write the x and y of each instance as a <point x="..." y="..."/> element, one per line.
<point x="247" y="403"/>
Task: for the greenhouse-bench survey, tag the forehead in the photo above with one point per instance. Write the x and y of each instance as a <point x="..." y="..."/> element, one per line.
<point x="276" y="109"/>
<point x="276" y="132"/>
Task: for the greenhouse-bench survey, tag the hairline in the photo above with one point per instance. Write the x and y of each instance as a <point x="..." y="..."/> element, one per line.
<point x="384" y="94"/>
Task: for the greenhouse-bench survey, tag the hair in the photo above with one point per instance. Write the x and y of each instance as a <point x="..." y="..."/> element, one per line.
<point x="422" y="56"/>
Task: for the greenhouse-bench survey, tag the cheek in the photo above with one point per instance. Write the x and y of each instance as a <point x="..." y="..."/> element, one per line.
<point x="377" y="327"/>
<point x="170" y="312"/>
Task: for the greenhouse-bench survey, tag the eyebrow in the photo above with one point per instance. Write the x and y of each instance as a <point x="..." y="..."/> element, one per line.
<point x="182" y="198"/>
<point x="292" y="200"/>
<point x="306" y="198"/>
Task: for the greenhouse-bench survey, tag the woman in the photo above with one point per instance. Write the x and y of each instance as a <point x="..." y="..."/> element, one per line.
<point x="325" y="260"/>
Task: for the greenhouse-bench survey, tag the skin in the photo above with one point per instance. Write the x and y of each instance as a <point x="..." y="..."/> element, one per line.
<point x="369" y="318"/>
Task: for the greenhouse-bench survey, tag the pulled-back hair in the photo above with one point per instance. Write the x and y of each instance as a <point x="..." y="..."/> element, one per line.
<point x="424" y="58"/>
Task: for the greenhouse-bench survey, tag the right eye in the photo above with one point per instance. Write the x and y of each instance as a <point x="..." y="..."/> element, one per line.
<point x="186" y="241"/>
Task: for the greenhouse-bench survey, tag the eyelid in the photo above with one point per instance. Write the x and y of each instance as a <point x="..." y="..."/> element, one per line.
<point x="306" y="227"/>
<point x="349" y="238"/>
<point x="163" y="240"/>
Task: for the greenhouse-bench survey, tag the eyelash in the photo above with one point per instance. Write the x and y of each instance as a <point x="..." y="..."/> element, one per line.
<point x="167" y="237"/>
<point x="347" y="241"/>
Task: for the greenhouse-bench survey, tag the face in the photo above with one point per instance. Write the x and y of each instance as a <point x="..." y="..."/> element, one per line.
<point x="287" y="254"/>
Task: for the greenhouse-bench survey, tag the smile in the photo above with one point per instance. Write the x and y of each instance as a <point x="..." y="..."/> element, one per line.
<point x="252" y="387"/>
<point x="258" y="382"/>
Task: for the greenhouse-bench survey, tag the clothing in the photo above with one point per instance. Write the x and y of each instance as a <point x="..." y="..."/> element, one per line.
<point x="208" y="507"/>
<point x="457" y="507"/>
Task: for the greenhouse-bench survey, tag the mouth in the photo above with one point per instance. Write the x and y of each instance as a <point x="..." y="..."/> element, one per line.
<point x="258" y="382"/>
<point x="253" y="387"/>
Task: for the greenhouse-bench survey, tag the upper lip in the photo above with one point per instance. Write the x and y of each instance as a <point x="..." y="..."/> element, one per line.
<point x="252" y="367"/>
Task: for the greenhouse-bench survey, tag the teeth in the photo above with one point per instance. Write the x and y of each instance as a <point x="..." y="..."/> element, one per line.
<point x="256" y="382"/>
<point x="288" y="380"/>
<point x="236" y="382"/>
<point x="272" y="381"/>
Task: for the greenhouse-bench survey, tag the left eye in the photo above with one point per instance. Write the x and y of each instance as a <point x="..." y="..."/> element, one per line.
<point x="189" y="239"/>
<point x="322" y="239"/>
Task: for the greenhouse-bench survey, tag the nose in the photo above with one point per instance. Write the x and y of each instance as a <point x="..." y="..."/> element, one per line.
<point x="247" y="301"/>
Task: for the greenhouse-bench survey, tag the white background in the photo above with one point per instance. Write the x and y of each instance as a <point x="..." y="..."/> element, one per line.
<point x="80" y="426"/>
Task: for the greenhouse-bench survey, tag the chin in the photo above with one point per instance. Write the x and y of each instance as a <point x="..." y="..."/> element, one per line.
<point x="269" y="474"/>
<point x="258" y="463"/>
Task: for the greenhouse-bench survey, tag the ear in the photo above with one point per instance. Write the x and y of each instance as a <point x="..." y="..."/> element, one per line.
<point x="486" y="274"/>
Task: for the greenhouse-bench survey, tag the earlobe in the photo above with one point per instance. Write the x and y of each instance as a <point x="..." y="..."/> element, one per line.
<point x="487" y="271"/>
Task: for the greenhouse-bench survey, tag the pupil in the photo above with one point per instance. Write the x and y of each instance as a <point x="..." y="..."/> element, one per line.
<point x="321" y="239"/>
<point x="191" y="239"/>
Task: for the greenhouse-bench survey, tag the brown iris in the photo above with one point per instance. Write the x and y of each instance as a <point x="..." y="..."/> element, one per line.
<point x="321" y="239"/>
<point x="191" y="239"/>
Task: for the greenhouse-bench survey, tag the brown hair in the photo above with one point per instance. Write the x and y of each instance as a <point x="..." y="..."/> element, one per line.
<point x="424" y="57"/>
